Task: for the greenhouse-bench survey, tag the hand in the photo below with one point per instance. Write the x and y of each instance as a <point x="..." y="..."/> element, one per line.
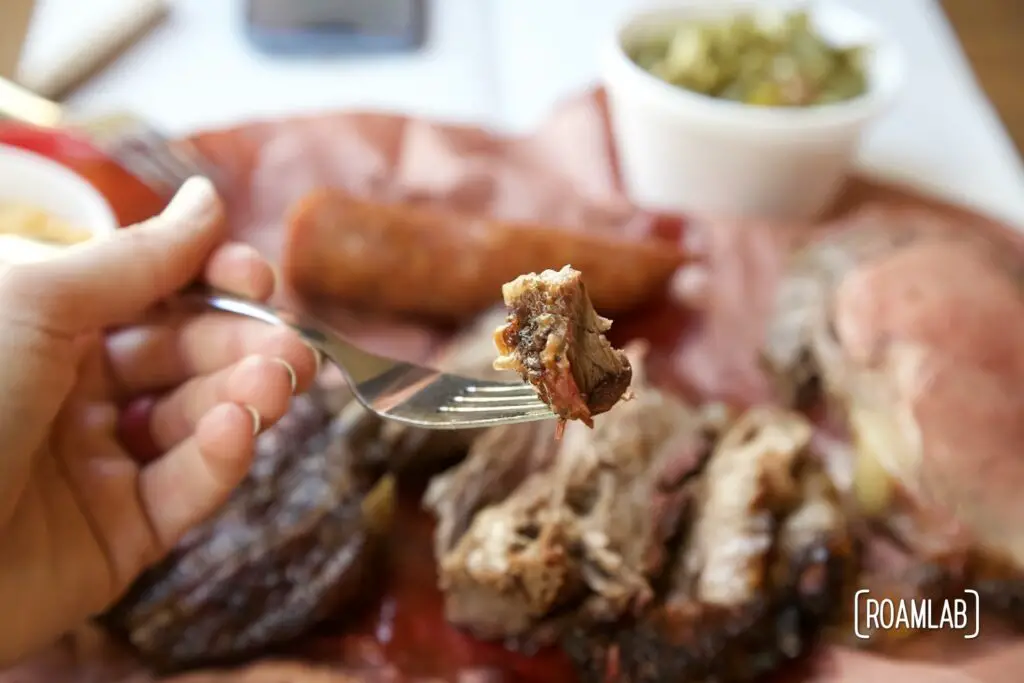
<point x="79" y="518"/>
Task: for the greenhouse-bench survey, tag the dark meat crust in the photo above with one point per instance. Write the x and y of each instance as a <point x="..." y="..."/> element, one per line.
<point x="531" y="531"/>
<point x="297" y="540"/>
<point x="555" y="340"/>
<point x="763" y="561"/>
<point x="707" y="644"/>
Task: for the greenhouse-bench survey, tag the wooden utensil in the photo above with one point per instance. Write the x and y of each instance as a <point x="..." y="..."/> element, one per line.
<point x="94" y="50"/>
<point x="15" y="16"/>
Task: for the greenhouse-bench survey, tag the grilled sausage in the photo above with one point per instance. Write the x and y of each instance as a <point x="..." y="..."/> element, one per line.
<point x="441" y="264"/>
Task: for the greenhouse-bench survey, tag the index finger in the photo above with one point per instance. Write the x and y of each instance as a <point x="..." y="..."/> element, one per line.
<point x="106" y="282"/>
<point x="238" y="268"/>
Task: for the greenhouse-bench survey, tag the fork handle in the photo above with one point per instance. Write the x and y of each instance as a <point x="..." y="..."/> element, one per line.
<point x="311" y="331"/>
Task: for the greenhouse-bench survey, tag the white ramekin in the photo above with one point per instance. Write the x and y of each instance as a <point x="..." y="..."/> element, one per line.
<point x="34" y="180"/>
<point x="684" y="152"/>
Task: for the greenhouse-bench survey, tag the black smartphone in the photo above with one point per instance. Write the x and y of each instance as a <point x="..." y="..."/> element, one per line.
<point x="336" y="27"/>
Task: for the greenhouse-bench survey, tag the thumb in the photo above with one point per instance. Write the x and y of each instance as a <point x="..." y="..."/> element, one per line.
<point x="110" y="281"/>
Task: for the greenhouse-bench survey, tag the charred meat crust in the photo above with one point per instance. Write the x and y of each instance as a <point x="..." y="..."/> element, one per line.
<point x="297" y="540"/>
<point x="555" y="340"/>
<point x="764" y="557"/>
<point x="709" y="644"/>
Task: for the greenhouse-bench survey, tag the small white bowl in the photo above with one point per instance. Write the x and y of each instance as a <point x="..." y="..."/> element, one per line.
<point x="30" y="179"/>
<point x="685" y="152"/>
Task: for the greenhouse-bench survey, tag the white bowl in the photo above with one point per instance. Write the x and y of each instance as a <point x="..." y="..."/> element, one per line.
<point x="27" y="178"/>
<point x="685" y="152"/>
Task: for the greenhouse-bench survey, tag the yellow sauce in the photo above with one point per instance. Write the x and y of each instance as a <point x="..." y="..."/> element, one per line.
<point x="28" y="233"/>
<point x="31" y="222"/>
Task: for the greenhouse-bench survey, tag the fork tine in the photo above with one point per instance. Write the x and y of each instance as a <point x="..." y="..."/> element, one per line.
<point x="144" y="166"/>
<point x="501" y="389"/>
<point x="520" y="408"/>
<point x="147" y="153"/>
<point x="157" y="161"/>
<point x="501" y="400"/>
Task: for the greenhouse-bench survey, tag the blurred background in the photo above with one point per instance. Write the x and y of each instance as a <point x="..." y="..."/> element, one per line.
<point x="504" y="63"/>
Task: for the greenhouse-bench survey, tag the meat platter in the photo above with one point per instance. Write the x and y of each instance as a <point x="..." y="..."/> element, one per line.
<point x="711" y="529"/>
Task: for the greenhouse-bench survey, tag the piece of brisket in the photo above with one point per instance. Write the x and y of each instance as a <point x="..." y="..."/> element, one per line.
<point x="761" y="564"/>
<point x="555" y="340"/>
<point x="530" y="529"/>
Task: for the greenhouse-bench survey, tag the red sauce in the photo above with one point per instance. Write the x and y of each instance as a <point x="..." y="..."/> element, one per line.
<point x="130" y="199"/>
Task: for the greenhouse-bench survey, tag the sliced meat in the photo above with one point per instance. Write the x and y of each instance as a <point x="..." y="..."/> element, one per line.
<point x="761" y="564"/>
<point x="527" y="535"/>
<point x="297" y="540"/>
<point x="555" y="340"/>
<point x="906" y="352"/>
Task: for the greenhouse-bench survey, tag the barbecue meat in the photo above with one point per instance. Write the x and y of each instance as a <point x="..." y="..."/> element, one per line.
<point x="420" y="260"/>
<point x="296" y="541"/>
<point x="555" y="340"/>
<point x="529" y="527"/>
<point x="763" y="556"/>
<point x="914" y="329"/>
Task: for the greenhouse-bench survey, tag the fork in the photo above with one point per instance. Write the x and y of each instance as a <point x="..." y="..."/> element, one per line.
<point x="394" y="390"/>
<point x="130" y="141"/>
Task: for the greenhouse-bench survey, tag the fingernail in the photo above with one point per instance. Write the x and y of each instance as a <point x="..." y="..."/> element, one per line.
<point x="251" y="362"/>
<point x="241" y="251"/>
<point x="257" y="421"/>
<point x="196" y="201"/>
<point x="291" y="373"/>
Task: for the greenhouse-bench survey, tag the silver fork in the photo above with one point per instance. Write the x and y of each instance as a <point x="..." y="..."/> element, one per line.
<point x="134" y="144"/>
<point x="403" y="392"/>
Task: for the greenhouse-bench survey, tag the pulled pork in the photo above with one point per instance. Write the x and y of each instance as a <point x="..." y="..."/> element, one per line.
<point x="555" y="340"/>
<point x="645" y="554"/>
<point x="531" y="529"/>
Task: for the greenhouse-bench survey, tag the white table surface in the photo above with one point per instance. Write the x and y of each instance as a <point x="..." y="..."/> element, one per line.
<point x="503" y="63"/>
